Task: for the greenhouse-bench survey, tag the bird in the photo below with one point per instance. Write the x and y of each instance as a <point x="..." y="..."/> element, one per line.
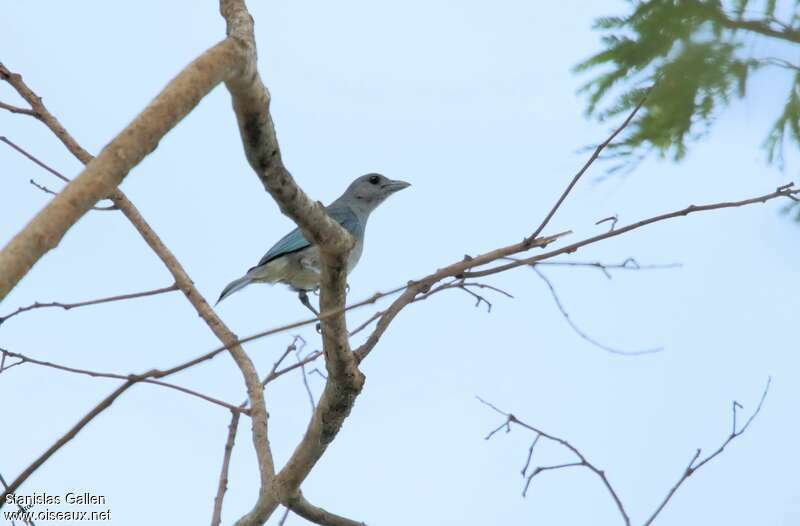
<point x="294" y="261"/>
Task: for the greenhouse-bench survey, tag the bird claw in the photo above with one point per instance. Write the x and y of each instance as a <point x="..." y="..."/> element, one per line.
<point x="304" y="300"/>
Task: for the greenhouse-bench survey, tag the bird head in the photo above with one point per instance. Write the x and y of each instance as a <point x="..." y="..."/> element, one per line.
<point x="368" y="191"/>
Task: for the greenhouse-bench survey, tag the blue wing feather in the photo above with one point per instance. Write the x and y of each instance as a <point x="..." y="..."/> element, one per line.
<point x="294" y="241"/>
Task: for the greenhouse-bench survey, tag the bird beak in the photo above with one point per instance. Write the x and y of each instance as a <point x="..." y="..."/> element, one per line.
<point x="395" y="186"/>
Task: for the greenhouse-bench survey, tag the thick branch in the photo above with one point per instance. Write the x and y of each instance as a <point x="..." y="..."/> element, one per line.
<point x="106" y="172"/>
<point x="177" y="99"/>
<point x="251" y="105"/>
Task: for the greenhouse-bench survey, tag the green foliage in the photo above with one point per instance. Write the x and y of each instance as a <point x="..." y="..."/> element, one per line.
<point x="787" y="124"/>
<point x="693" y="55"/>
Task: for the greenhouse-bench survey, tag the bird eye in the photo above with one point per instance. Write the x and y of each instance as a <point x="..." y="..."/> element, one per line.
<point x="374" y="179"/>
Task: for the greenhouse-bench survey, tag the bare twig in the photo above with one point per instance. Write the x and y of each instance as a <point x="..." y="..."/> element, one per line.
<point x="69" y="435"/>
<point x="97" y="374"/>
<point x="16" y="109"/>
<point x="318" y="373"/>
<point x="539" y="469"/>
<point x="784" y="191"/>
<point x="694" y="465"/>
<point x="68" y="306"/>
<point x="530" y="455"/>
<point x="613" y="219"/>
<point x="302" y="366"/>
<point x="580" y="331"/>
<point x="216" y="517"/>
<point x="460" y="284"/>
<point x="109" y="208"/>
<point x="367" y="322"/>
<point x="627" y="264"/>
<point x="308" y="359"/>
<point x="587" y="164"/>
<point x="38" y="162"/>
<point x="19" y="506"/>
<point x="32" y="158"/>
<point x="582" y="461"/>
<point x="308" y="511"/>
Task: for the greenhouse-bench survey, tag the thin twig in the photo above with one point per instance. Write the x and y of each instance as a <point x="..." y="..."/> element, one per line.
<point x="539" y="469"/>
<point x="787" y="191"/>
<point x="691" y="468"/>
<point x="68" y="306"/>
<point x="580" y="331"/>
<point x="694" y="465"/>
<point x="109" y="208"/>
<point x="19" y="506"/>
<point x="588" y="163"/>
<point x="97" y="374"/>
<point x="530" y="455"/>
<point x="216" y="517"/>
<point x="628" y="264"/>
<point x="69" y="435"/>
<point x="17" y="109"/>
<point x="613" y="219"/>
<point x="366" y="323"/>
<point x="34" y="159"/>
<point x="302" y="366"/>
<point x="511" y="419"/>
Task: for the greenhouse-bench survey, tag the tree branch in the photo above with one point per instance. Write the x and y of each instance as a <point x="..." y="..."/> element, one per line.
<point x="308" y="511"/>
<point x="584" y="462"/>
<point x="97" y="374"/>
<point x="106" y="172"/>
<point x="592" y="158"/>
<point x="580" y="332"/>
<point x="787" y="190"/>
<point x="251" y="104"/>
<point x="67" y="306"/>
<point x="15" y="109"/>
<point x="694" y="465"/>
<point x="216" y="517"/>
<point x="101" y="177"/>
<point x="69" y="435"/>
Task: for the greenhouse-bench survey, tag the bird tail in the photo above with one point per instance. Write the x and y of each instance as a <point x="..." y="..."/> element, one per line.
<point x="234" y="286"/>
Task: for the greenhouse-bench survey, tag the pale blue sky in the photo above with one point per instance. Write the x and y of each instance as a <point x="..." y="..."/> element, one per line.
<point x="476" y="106"/>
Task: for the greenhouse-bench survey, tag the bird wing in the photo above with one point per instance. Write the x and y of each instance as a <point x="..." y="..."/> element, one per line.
<point x="294" y="241"/>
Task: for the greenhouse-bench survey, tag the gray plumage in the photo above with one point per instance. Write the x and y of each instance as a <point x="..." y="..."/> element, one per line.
<point x="295" y="262"/>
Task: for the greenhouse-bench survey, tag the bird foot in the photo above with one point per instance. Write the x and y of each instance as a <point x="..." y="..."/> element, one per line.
<point x="303" y="295"/>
